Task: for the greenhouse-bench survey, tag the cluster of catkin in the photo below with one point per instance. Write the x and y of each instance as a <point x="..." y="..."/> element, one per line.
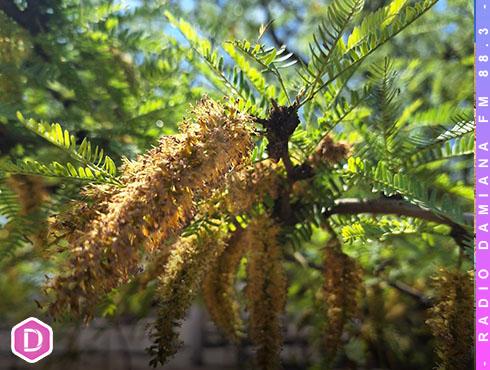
<point x="210" y="259"/>
<point x="342" y="283"/>
<point x="32" y="194"/>
<point x="189" y="260"/>
<point x="451" y="319"/>
<point x="243" y="188"/>
<point x="219" y="287"/>
<point x="266" y="291"/>
<point x="202" y="173"/>
<point x="157" y="199"/>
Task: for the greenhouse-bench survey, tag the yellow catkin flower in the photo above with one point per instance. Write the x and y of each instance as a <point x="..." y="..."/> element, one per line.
<point x="189" y="260"/>
<point x="242" y="188"/>
<point x="266" y="291"/>
<point x="251" y="185"/>
<point x="451" y="319"/>
<point x="156" y="202"/>
<point x="342" y="282"/>
<point x="218" y="288"/>
<point x="32" y="193"/>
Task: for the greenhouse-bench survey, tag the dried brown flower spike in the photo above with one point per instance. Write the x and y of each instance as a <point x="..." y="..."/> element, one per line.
<point x="328" y="152"/>
<point x="266" y="291"/>
<point x="451" y="319"/>
<point x="219" y="288"/>
<point x="251" y="185"/>
<point x="31" y="192"/>
<point x="342" y="279"/>
<point x="189" y="261"/>
<point x="156" y="201"/>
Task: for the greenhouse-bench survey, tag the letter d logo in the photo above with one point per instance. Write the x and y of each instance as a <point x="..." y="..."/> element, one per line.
<point x="31" y="340"/>
<point x="39" y="336"/>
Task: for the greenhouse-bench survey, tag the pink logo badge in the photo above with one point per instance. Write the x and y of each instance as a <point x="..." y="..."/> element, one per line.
<point x="31" y="340"/>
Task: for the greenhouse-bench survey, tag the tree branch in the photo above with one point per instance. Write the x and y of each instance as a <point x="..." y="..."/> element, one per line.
<point x="423" y="300"/>
<point x="388" y="206"/>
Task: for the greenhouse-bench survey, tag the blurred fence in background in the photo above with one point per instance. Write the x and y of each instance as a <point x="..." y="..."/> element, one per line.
<point x="108" y="345"/>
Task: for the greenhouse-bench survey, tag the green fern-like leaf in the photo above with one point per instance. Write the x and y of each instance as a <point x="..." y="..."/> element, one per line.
<point x="383" y="228"/>
<point x="270" y="59"/>
<point x="381" y="131"/>
<point x="372" y="23"/>
<point x="340" y="14"/>
<point x="29" y="166"/>
<point x="461" y="146"/>
<point x="233" y="79"/>
<point x="265" y="90"/>
<point x="341" y="108"/>
<point x="97" y="165"/>
<point x="326" y="187"/>
<point x="433" y="135"/>
<point x="375" y="31"/>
